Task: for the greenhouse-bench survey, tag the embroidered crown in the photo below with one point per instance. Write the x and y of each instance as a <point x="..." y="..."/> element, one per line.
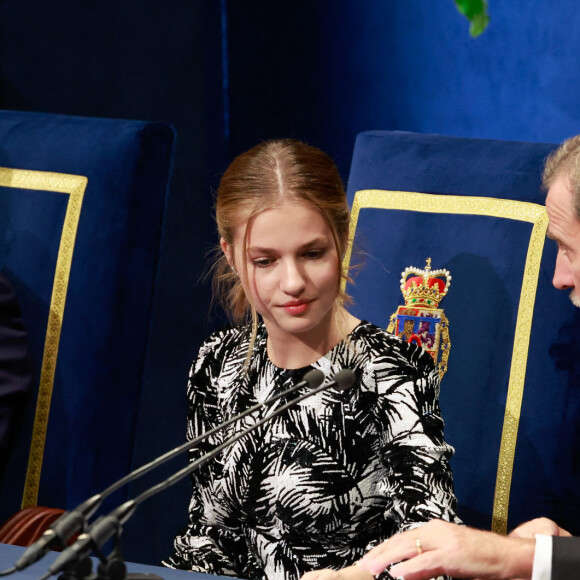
<point x="425" y="288"/>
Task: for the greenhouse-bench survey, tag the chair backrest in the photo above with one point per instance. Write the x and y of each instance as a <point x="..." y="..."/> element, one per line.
<point x="511" y="396"/>
<point x="81" y="209"/>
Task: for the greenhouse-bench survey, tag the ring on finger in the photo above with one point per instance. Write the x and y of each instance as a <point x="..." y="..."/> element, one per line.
<point x="418" y="546"/>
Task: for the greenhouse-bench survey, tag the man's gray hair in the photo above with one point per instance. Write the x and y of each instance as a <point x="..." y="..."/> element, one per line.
<point x="565" y="162"/>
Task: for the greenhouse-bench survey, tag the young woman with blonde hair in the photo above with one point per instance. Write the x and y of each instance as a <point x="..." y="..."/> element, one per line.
<point x="319" y="485"/>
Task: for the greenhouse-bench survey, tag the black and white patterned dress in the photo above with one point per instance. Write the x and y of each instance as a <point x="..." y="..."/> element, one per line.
<point x="322" y="483"/>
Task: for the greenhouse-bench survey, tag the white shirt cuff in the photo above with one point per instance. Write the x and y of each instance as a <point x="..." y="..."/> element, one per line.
<point x="542" y="569"/>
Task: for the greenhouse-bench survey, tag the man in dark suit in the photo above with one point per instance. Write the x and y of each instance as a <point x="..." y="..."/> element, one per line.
<point x="539" y="549"/>
<point x="536" y="550"/>
<point x="15" y="369"/>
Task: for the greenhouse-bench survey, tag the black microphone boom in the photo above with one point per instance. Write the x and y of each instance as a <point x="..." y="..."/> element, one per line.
<point x="76" y="520"/>
<point x="106" y="527"/>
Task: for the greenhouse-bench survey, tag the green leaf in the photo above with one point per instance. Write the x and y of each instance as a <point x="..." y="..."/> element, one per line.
<point x="476" y="12"/>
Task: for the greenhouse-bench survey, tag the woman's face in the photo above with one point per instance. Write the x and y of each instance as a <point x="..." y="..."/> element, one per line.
<point x="292" y="272"/>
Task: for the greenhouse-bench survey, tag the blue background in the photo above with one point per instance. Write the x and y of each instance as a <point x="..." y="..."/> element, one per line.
<point x="229" y="73"/>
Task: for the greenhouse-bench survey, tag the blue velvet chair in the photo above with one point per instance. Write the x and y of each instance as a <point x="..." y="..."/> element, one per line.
<point x="81" y="212"/>
<point x="511" y="395"/>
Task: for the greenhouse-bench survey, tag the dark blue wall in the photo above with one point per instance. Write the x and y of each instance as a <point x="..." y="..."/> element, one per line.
<point x="320" y="70"/>
<point x="328" y="70"/>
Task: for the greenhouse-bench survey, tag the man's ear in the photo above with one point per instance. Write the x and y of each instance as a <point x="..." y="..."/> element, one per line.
<point x="227" y="250"/>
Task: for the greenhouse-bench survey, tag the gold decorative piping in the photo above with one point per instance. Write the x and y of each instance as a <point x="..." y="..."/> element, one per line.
<point x="500" y="208"/>
<point x="74" y="186"/>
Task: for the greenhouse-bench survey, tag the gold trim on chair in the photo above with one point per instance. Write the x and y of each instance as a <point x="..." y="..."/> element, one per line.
<point x="500" y="208"/>
<point x="74" y="186"/>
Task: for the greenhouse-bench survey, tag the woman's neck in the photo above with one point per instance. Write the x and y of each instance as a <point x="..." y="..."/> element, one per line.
<point x="297" y="351"/>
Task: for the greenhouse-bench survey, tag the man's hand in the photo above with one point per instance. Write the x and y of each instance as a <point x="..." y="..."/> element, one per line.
<point x="439" y="548"/>
<point x="539" y="526"/>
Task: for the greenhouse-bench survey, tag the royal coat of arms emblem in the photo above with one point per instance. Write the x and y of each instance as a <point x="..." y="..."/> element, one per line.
<point x="421" y="320"/>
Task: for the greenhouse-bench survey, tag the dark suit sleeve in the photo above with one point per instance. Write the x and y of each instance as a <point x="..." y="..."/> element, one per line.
<point x="565" y="558"/>
<point x="15" y="367"/>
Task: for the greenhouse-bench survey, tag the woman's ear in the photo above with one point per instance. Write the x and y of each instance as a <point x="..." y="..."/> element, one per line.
<point x="344" y="246"/>
<point x="227" y="250"/>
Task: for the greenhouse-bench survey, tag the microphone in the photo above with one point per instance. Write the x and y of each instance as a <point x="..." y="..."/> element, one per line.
<point x="59" y="532"/>
<point x="76" y="520"/>
<point x="342" y="380"/>
<point x="104" y="528"/>
<point x="99" y="532"/>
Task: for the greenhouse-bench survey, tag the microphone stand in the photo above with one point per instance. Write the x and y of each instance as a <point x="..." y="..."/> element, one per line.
<point x="76" y="520"/>
<point x="112" y="567"/>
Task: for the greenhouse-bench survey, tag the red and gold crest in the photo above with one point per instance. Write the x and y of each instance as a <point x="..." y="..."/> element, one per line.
<point x="421" y="320"/>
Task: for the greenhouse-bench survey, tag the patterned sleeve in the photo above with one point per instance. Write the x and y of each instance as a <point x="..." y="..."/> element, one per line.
<point x="205" y="548"/>
<point x="419" y="480"/>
